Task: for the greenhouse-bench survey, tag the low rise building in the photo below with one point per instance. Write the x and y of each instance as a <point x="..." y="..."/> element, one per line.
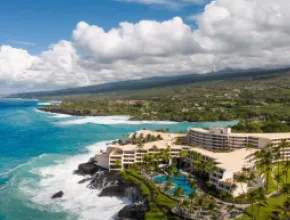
<point x="131" y="153"/>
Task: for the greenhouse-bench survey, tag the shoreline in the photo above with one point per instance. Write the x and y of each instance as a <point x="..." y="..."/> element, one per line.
<point x="42" y="109"/>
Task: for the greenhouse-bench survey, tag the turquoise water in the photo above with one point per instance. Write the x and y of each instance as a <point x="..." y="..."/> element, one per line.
<point x="39" y="151"/>
<point x="178" y="181"/>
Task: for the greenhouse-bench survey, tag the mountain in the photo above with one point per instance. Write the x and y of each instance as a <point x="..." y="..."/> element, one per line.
<point x="147" y="83"/>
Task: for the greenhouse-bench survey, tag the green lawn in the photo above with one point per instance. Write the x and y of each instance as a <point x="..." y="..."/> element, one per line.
<point x="263" y="213"/>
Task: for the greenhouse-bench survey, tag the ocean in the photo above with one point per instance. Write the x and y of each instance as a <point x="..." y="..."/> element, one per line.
<point x="39" y="152"/>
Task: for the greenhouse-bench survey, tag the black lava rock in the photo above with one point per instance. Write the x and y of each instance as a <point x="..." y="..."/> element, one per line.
<point x="133" y="212"/>
<point x="57" y="195"/>
<point x="87" y="169"/>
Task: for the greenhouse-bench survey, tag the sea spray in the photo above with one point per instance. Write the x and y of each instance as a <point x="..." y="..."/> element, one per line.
<point x="80" y="201"/>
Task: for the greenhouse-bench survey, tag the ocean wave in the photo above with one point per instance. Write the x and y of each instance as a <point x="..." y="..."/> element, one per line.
<point x="109" y="120"/>
<point x="79" y="201"/>
<point x="9" y="183"/>
<point x="21" y="165"/>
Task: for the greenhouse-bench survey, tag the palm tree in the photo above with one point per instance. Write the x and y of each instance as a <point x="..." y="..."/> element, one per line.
<point x="182" y="154"/>
<point x="251" y="177"/>
<point x="166" y="187"/>
<point x="178" y="192"/>
<point x="140" y="147"/>
<point x="166" y="155"/>
<point x="278" y="179"/>
<point x="155" y="148"/>
<point x="155" y="159"/>
<point x="252" y="197"/>
<point x="118" y="163"/>
<point x="286" y="190"/>
<point x="184" y="205"/>
<point x="192" y="197"/>
<point x="200" y="203"/>
<point x="212" y="208"/>
<point x="197" y="163"/>
<point x="265" y="159"/>
<point x="286" y="168"/>
<point x="241" y="178"/>
<point x="277" y="155"/>
<point x="261" y="199"/>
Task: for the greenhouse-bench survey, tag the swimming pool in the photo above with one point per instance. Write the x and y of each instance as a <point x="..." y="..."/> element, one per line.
<point x="178" y="181"/>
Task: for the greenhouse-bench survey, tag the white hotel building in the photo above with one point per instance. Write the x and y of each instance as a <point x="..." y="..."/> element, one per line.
<point x="129" y="154"/>
<point x="212" y="142"/>
<point x="211" y="145"/>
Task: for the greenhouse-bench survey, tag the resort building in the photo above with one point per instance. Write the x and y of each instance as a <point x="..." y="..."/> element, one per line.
<point x="128" y="154"/>
<point x="228" y="165"/>
<point x="228" y="152"/>
<point x="223" y="138"/>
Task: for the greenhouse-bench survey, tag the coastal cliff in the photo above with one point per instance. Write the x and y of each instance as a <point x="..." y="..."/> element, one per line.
<point x="113" y="185"/>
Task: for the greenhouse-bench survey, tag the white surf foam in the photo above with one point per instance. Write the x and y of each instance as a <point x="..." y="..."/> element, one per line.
<point x="57" y="115"/>
<point x="39" y="111"/>
<point x="78" y="200"/>
<point x="44" y="103"/>
<point x="109" y="120"/>
<point x="53" y="115"/>
<point x="48" y="102"/>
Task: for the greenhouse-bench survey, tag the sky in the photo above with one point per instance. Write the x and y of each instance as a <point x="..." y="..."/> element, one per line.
<point x="60" y="44"/>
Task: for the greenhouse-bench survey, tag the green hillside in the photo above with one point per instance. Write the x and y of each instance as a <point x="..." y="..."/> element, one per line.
<point x="262" y="97"/>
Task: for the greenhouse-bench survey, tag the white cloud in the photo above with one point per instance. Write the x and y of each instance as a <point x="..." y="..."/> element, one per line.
<point x="230" y="34"/>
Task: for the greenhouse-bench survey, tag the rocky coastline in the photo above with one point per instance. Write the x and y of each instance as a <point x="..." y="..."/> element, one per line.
<point x="112" y="185"/>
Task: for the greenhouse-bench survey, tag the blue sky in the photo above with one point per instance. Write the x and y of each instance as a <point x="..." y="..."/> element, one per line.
<point x="35" y="24"/>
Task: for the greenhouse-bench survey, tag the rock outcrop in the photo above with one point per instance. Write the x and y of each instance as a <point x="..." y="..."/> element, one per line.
<point x="89" y="168"/>
<point x="57" y="195"/>
<point x="112" y="185"/>
<point x="133" y="212"/>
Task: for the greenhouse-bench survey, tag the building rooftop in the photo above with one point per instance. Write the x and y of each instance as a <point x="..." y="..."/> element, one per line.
<point x="162" y="144"/>
<point x="164" y="135"/>
<point x="227" y="160"/>
<point x="258" y="135"/>
<point x="168" y="140"/>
